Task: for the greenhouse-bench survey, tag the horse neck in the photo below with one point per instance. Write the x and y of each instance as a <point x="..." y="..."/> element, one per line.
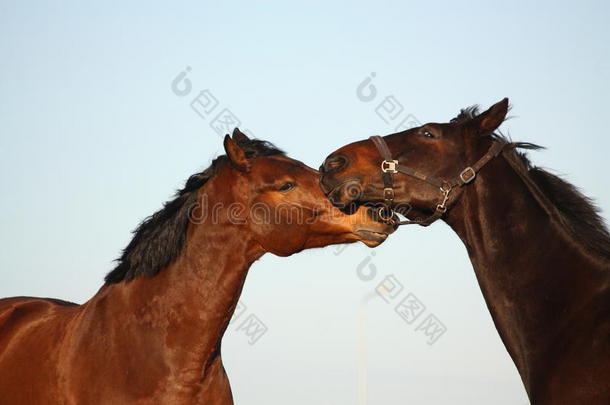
<point x="533" y="275"/>
<point x="181" y="313"/>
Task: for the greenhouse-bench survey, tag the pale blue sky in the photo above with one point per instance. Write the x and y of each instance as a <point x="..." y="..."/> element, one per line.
<point x="92" y="140"/>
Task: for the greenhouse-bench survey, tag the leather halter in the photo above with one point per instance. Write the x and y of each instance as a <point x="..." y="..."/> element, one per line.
<point x="389" y="167"/>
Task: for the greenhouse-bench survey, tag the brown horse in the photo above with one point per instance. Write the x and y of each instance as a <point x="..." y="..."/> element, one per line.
<point x="152" y="333"/>
<point x="540" y="251"/>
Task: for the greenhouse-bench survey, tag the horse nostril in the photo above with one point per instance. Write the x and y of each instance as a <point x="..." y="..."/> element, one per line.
<point x="334" y="163"/>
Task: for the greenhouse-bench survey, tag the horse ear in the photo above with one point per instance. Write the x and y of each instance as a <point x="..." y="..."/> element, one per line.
<point x="236" y="155"/>
<point x="487" y="122"/>
<point x="239" y="136"/>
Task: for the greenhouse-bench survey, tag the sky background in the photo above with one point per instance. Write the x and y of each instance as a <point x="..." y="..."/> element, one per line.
<point x="93" y="139"/>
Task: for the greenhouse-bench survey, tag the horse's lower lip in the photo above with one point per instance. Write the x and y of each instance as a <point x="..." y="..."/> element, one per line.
<point x="372" y="236"/>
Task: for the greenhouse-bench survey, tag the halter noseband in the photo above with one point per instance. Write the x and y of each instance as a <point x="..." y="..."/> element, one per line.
<point x="389" y="167"/>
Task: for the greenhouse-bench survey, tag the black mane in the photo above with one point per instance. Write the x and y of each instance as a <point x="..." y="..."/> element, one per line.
<point x="466" y="114"/>
<point x="575" y="211"/>
<point x="161" y="237"/>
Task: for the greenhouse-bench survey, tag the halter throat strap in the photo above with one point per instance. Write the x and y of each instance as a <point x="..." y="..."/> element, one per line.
<point x="390" y="167"/>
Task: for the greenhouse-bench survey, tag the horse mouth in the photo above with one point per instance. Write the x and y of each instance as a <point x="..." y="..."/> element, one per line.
<point x="372" y="238"/>
<point x="341" y="193"/>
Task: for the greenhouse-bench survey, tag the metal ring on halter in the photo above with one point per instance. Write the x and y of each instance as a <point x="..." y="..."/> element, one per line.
<point x="386" y="218"/>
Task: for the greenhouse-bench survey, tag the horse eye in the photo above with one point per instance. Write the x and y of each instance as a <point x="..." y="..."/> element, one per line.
<point x="289" y="185"/>
<point x="428" y="134"/>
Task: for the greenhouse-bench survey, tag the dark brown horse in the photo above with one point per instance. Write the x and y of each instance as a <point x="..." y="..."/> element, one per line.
<point x="539" y="249"/>
<point x="152" y="334"/>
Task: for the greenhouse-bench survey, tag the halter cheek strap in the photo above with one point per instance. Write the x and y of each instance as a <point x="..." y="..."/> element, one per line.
<point x="389" y="167"/>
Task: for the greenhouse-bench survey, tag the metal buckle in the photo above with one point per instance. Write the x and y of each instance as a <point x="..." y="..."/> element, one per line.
<point x="389" y="166"/>
<point x="388" y="194"/>
<point x="468" y="175"/>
